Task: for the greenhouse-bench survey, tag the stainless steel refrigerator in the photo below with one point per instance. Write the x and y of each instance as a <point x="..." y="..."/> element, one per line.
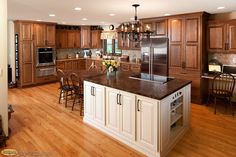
<point x="154" y="56"/>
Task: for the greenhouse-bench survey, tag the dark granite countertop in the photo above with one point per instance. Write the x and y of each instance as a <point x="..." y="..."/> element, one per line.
<point x="153" y="90"/>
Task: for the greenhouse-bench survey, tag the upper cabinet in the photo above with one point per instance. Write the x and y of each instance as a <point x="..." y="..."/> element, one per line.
<point x="96" y="39"/>
<point x="61" y="39"/>
<point x="44" y="34"/>
<point x="73" y="38"/>
<point x="85" y="37"/>
<point x="221" y="36"/>
<point x="158" y="26"/>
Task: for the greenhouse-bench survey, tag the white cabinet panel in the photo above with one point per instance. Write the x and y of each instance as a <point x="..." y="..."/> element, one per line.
<point x="147" y="122"/>
<point x="127" y="115"/>
<point x="112" y="109"/>
<point x="88" y="100"/>
<point x="99" y="104"/>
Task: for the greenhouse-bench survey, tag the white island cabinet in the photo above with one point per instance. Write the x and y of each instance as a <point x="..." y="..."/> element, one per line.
<point x="148" y="125"/>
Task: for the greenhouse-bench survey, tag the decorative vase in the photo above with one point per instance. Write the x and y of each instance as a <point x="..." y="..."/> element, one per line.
<point x="111" y="74"/>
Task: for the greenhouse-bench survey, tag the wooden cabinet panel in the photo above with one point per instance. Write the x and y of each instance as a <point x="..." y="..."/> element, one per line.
<point x="216" y="38"/>
<point x="77" y="39"/>
<point x="68" y="65"/>
<point x="27" y="74"/>
<point x="191" y="29"/>
<point x="125" y="67"/>
<point x="85" y="37"/>
<point x="148" y="26"/>
<point x="161" y="28"/>
<point x="26" y="31"/>
<point x="61" y="40"/>
<point x="39" y="30"/>
<point x="96" y="39"/>
<point x="60" y="65"/>
<point x="50" y="35"/>
<point x="175" y="55"/>
<point x="71" y="39"/>
<point x="135" y="68"/>
<point x="175" y="29"/>
<point x="27" y="49"/>
<point x="231" y="37"/>
<point x="192" y="57"/>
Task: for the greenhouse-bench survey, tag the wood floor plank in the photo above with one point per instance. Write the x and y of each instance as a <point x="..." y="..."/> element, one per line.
<point x="40" y="124"/>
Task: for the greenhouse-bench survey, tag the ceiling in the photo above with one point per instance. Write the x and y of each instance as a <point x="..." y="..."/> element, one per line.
<point x="97" y="11"/>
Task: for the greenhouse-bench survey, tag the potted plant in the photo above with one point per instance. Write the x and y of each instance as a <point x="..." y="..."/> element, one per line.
<point x="111" y="66"/>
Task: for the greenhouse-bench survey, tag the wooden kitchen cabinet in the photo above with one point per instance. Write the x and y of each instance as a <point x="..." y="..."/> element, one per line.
<point x="25" y="32"/>
<point x="159" y="26"/>
<point x="125" y="67"/>
<point x="61" y="39"/>
<point x="221" y="36"/>
<point x="73" y="39"/>
<point x="96" y="39"/>
<point x="85" y="37"/>
<point x="120" y="112"/>
<point x="187" y="54"/>
<point x="44" y="34"/>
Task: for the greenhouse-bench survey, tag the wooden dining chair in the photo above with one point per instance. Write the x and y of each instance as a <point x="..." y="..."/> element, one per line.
<point x="222" y="88"/>
<point x="64" y="87"/>
<point x="78" y="92"/>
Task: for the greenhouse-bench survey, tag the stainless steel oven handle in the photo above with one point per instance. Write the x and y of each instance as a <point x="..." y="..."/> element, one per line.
<point x="46" y="69"/>
<point x="47" y="52"/>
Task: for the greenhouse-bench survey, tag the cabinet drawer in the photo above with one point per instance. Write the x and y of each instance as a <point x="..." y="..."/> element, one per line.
<point x="46" y="79"/>
<point x="135" y="68"/>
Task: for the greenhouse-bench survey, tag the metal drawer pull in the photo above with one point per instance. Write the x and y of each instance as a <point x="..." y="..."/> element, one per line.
<point x="138" y="105"/>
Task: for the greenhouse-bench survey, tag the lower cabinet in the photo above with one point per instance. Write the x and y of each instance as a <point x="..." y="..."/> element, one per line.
<point x="120" y="112"/>
<point x="94" y="107"/>
<point x="150" y="126"/>
<point x="147" y="122"/>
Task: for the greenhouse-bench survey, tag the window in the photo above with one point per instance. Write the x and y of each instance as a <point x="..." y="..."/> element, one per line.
<point x="111" y="47"/>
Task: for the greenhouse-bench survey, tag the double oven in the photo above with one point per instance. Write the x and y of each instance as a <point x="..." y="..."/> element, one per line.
<point x="45" y="61"/>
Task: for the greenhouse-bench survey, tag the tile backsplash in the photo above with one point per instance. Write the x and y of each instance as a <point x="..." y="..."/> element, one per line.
<point x="229" y="59"/>
<point x="133" y="54"/>
<point x="65" y="53"/>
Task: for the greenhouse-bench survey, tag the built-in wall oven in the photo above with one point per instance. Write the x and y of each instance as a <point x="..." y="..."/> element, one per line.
<point x="45" y="61"/>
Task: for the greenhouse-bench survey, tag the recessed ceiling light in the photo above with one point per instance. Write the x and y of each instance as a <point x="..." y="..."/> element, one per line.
<point x="167" y="14"/>
<point x="132" y="19"/>
<point x="83" y="24"/>
<point x="220" y="8"/>
<point x="38" y="20"/>
<point x="102" y="22"/>
<point x="52" y="15"/>
<point x="111" y="14"/>
<point x="84" y="19"/>
<point x="77" y="8"/>
<point x="63" y="22"/>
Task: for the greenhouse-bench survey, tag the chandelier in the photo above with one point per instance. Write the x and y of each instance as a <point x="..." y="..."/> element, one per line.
<point x="134" y="30"/>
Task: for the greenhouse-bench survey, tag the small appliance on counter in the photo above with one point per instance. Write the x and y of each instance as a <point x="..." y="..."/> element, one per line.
<point x="124" y="58"/>
<point x="214" y="66"/>
<point x="87" y="53"/>
<point x="229" y="69"/>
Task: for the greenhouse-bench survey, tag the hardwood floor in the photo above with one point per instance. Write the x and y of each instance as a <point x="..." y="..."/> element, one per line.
<point x="42" y="126"/>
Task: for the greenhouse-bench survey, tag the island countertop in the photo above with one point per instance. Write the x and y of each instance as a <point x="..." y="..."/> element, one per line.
<point x="150" y="89"/>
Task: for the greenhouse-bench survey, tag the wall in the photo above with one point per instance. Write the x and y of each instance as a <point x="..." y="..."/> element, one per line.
<point x="11" y="48"/>
<point x="3" y="64"/>
<point x="223" y="58"/>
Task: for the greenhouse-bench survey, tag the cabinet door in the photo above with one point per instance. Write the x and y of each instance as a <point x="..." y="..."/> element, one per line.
<point x="191" y="57"/>
<point x="85" y="37"/>
<point x="27" y="74"/>
<point x="61" y="40"/>
<point x="231" y="43"/>
<point x="96" y="39"/>
<point x="26" y="31"/>
<point x="27" y="50"/>
<point x="70" y="39"/>
<point x="60" y="65"/>
<point x="75" y="65"/>
<point x="161" y="28"/>
<point x="39" y="32"/>
<point x="77" y="39"/>
<point x="127" y="115"/>
<point x="216" y="34"/>
<point x="99" y="104"/>
<point x="88" y="100"/>
<point x="68" y="65"/>
<point x="147" y="122"/>
<point x="50" y="35"/>
<point x="175" y="42"/>
<point x="112" y="109"/>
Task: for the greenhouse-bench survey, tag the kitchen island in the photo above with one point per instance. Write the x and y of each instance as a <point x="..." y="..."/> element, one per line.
<point x="150" y="117"/>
